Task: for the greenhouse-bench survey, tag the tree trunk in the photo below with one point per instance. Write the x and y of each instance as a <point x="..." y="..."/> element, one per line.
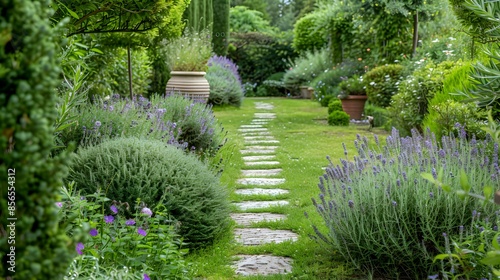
<point x="130" y="74"/>
<point x="415" y="34"/>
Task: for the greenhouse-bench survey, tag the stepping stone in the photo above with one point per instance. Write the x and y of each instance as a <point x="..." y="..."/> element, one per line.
<point x="247" y="205"/>
<point x="261" y="181"/>
<point x="258" y="138"/>
<point x="259" y="236"/>
<point x="257" y="191"/>
<point x="262" y="265"/>
<point x="264" y="106"/>
<point x="256" y="158"/>
<point x="256" y="133"/>
<point x="247" y="219"/>
<point x="250" y="126"/>
<point x="252" y="129"/>
<point x="261" y="147"/>
<point x="256" y="151"/>
<point x="255" y="163"/>
<point x="253" y="142"/>
<point x="265" y="115"/>
<point x="261" y="172"/>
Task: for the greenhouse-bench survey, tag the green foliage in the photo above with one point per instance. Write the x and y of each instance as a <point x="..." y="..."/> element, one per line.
<point x="352" y="86"/>
<point x="32" y="244"/>
<point x="382" y="83"/>
<point x="190" y="52"/>
<point x="307" y="37"/>
<point x="409" y="106"/>
<point x="306" y="68"/>
<point x="383" y="216"/>
<point x="259" y="55"/>
<point x="127" y="169"/>
<point x="220" y="28"/>
<point x="478" y="17"/>
<point x="101" y="226"/>
<point x="338" y="118"/>
<point x="244" y="20"/>
<point x="447" y="114"/>
<point x="379" y="114"/>
<point x="172" y="119"/>
<point x="199" y="14"/>
<point x="225" y="83"/>
<point x="334" y="105"/>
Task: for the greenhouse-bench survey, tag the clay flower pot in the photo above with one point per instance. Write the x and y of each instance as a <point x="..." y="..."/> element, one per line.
<point x="190" y="84"/>
<point x="354" y="105"/>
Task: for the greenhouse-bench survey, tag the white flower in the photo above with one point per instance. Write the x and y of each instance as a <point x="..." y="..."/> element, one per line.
<point x="435" y="40"/>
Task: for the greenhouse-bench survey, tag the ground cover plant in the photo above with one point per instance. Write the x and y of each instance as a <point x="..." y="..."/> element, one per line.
<point x="383" y="216"/>
<point x="137" y="242"/>
<point x="132" y="169"/>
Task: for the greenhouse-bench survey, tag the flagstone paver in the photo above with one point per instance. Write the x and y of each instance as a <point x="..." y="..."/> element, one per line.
<point x="256" y="151"/>
<point x="247" y="205"/>
<point x="262" y="147"/>
<point x="259" y="137"/>
<point x="257" y="163"/>
<point x="265" y="115"/>
<point x="255" y="142"/>
<point x="250" y="265"/>
<point x="256" y="133"/>
<point x="258" y="236"/>
<point x="252" y="129"/>
<point x="257" y="158"/>
<point x="261" y="172"/>
<point x="251" y="126"/>
<point x="247" y="219"/>
<point x="258" y="191"/>
<point x="261" y="181"/>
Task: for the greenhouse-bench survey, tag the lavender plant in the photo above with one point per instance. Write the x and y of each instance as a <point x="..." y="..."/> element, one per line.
<point x="170" y="118"/>
<point x="143" y="247"/>
<point x="383" y="216"/>
<point x="225" y="82"/>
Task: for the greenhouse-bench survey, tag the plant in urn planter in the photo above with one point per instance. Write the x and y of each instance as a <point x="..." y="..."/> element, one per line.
<point x="353" y="97"/>
<point x="187" y="58"/>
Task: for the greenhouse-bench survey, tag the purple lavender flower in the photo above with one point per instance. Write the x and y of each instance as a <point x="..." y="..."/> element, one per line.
<point x="93" y="232"/>
<point x="97" y="124"/>
<point x="109" y="219"/>
<point x="147" y="211"/>
<point x="59" y="204"/>
<point x="145" y="277"/>
<point x="141" y="231"/>
<point x="130" y="222"/>
<point x="82" y="198"/>
<point x="474" y="213"/>
<point x="79" y="248"/>
<point x="111" y="108"/>
<point x="351" y="203"/>
<point x="461" y="229"/>
<point x="431" y="195"/>
<point x="433" y="277"/>
<point x="114" y="209"/>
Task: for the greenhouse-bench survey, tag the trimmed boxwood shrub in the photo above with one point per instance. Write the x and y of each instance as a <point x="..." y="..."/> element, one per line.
<point x="334" y="105"/>
<point x="382" y="83"/>
<point x="338" y="118"/>
<point x="127" y="169"/>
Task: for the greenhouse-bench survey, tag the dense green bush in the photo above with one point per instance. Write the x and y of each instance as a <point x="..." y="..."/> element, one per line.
<point x="105" y="235"/>
<point x="306" y="68"/>
<point x="382" y="83"/>
<point x="338" y="118"/>
<point x="382" y="215"/>
<point x="379" y="114"/>
<point x="127" y="169"/>
<point x="32" y="244"/>
<point x="225" y="82"/>
<point x="410" y="104"/>
<point x="307" y="37"/>
<point x="352" y="86"/>
<point x="334" y="105"/>
<point x="173" y="119"/>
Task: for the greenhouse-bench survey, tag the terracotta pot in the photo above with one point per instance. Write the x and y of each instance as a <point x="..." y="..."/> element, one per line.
<point x="193" y="85"/>
<point x="354" y="105"/>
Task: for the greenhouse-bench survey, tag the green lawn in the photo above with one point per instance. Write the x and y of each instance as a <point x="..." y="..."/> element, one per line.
<point x="305" y="141"/>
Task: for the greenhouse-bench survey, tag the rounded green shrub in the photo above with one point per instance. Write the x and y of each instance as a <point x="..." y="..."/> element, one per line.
<point x="338" y="118"/>
<point x="306" y="37"/>
<point x="382" y="83"/>
<point x="127" y="169"/>
<point x="334" y="105"/>
<point x="225" y="82"/>
<point x="306" y="68"/>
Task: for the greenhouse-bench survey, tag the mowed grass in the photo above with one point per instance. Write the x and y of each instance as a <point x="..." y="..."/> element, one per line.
<point x="305" y="141"/>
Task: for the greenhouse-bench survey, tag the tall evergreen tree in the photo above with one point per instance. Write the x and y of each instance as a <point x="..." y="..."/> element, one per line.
<point x="32" y="245"/>
<point x="220" y="29"/>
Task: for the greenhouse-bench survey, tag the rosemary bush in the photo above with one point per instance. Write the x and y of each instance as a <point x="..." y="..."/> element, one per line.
<point x="173" y="119"/>
<point x="128" y="169"/>
<point x="382" y="215"/>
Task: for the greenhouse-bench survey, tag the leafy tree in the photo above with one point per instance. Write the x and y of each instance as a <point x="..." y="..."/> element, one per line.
<point x="30" y="177"/>
<point x="256" y="5"/>
<point x="244" y="20"/>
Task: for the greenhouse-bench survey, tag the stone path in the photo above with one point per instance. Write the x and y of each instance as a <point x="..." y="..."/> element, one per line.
<point x="260" y="177"/>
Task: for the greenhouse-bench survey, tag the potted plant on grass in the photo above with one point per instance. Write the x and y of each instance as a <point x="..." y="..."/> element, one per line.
<point x="353" y="96"/>
<point x="187" y="58"/>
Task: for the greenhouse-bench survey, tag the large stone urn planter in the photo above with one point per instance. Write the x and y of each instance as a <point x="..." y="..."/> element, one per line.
<point x="354" y="105"/>
<point x="193" y="85"/>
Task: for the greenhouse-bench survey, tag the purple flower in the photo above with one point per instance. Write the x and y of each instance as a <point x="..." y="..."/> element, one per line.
<point x="93" y="232"/>
<point x="97" y="124"/>
<point x="79" y="248"/>
<point x="82" y="198"/>
<point x="351" y="203"/>
<point x="146" y="211"/>
<point x="114" y="209"/>
<point x="394" y="203"/>
<point x="130" y="222"/>
<point x="141" y="231"/>
<point x="433" y="277"/>
<point x="109" y="219"/>
<point x="431" y="195"/>
<point x="59" y="204"/>
<point x="111" y="108"/>
<point x="145" y="277"/>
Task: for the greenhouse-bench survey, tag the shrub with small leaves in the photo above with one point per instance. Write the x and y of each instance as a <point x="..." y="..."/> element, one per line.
<point x="338" y="118"/>
<point x="128" y="169"/>
<point x="382" y="83"/>
<point x="382" y="215"/>
<point x="334" y="105"/>
<point x="225" y="82"/>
